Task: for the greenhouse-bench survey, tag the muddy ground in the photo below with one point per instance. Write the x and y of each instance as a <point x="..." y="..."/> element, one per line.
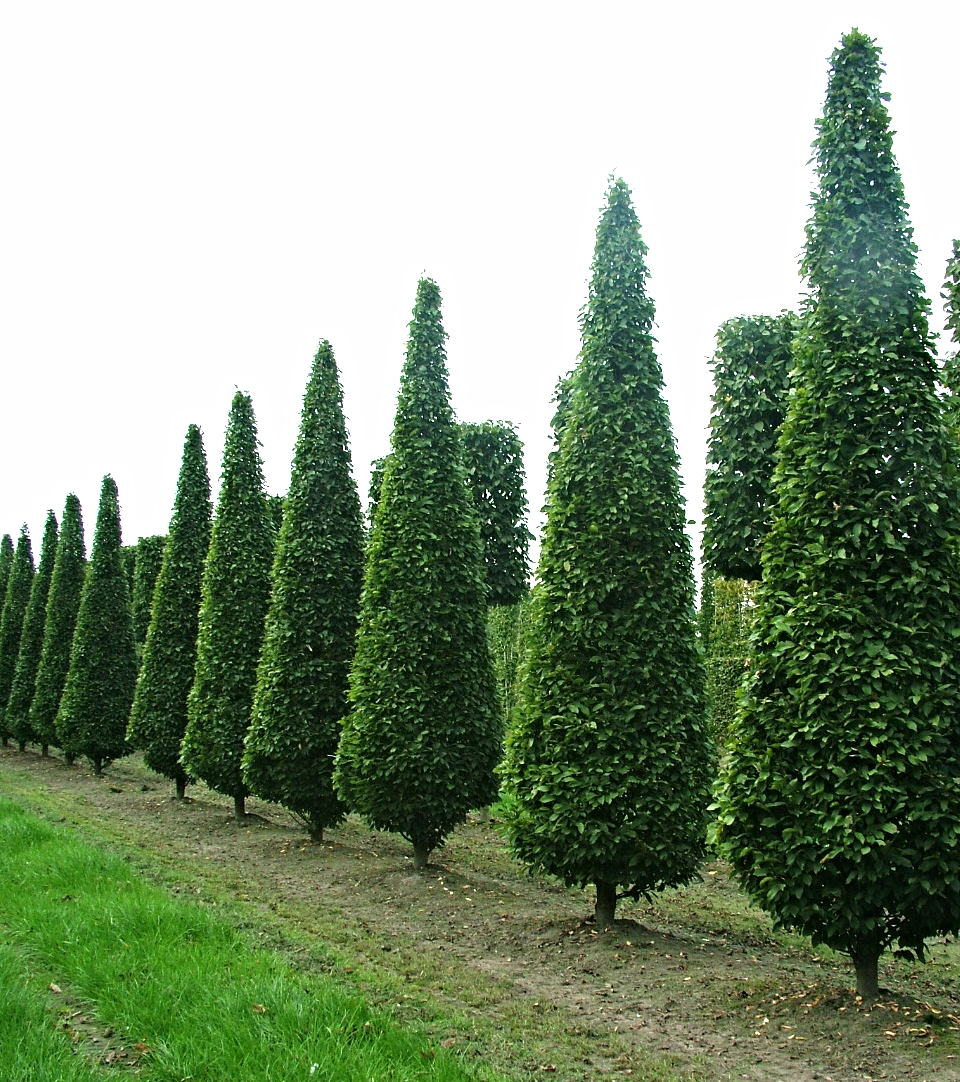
<point x="508" y="968"/>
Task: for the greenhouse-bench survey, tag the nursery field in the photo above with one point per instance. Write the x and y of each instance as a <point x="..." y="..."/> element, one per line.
<point x="504" y="971"/>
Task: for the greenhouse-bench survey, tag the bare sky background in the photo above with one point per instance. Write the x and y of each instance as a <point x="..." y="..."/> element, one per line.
<point x="194" y="193"/>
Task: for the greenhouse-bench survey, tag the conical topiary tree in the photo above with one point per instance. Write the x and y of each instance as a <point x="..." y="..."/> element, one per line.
<point x="301" y="694"/>
<point x="950" y="375"/>
<point x="63" y="602"/>
<point x="158" y="718"/>
<point x="419" y="748"/>
<point x="609" y="760"/>
<point x="6" y="562"/>
<point x="235" y="592"/>
<point x="840" y="806"/>
<point x="93" y="712"/>
<point x="11" y="621"/>
<point x="146" y="570"/>
<point x="31" y="641"/>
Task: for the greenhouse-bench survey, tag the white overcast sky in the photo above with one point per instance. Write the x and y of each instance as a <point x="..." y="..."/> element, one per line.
<point x="192" y="194"/>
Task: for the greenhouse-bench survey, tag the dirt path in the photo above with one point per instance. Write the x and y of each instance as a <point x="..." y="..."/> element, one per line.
<point x="698" y="980"/>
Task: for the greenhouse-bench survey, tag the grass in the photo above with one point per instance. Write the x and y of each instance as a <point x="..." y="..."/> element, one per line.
<point x="188" y="990"/>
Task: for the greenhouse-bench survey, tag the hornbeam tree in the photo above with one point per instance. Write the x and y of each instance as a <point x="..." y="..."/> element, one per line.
<point x="12" y="616"/>
<point x="146" y="570"/>
<point x="840" y="807"/>
<point x="31" y="641"/>
<point x="419" y="747"/>
<point x="301" y="694"/>
<point x="158" y="718"/>
<point x="235" y="591"/>
<point x="950" y="376"/>
<point x="6" y="562"/>
<point x="63" y="602"/>
<point x="609" y="758"/>
<point x="93" y="712"/>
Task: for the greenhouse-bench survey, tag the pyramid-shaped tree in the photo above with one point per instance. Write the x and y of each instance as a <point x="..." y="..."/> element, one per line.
<point x="31" y="641"/>
<point x="608" y="758"/>
<point x="950" y="375"/>
<point x="419" y="748"/>
<point x="235" y="591"/>
<point x="146" y="570"/>
<point x="12" y="616"/>
<point x="840" y="808"/>
<point x="6" y="562"/>
<point x="159" y="715"/>
<point x="301" y="694"/>
<point x="92" y="718"/>
<point x="63" y="603"/>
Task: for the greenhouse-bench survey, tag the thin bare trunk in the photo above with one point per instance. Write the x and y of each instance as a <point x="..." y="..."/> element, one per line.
<point x="240" y="809"/>
<point x="181" y="783"/>
<point x="420" y="854"/>
<point x="606" y="906"/>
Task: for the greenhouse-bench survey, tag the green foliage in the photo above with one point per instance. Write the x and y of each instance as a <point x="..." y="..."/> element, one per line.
<point x="63" y="603"/>
<point x="128" y="561"/>
<point x="728" y="649"/>
<point x="609" y="759"/>
<point x="146" y="569"/>
<point x="11" y="621"/>
<point x="301" y="693"/>
<point x="493" y="462"/>
<point x="506" y="630"/>
<point x="840" y="808"/>
<point x="950" y="375"/>
<point x="17" y="718"/>
<point x="377" y="469"/>
<point x="159" y="714"/>
<point x="235" y="591"/>
<point x="6" y="562"/>
<point x="92" y="718"/>
<point x="751" y="373"/>
<point x="275" y="511"/>
<point x="419" y="748"/>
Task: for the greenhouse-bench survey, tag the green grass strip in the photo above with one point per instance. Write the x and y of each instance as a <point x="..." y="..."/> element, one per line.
<point x="209" y="1005"/>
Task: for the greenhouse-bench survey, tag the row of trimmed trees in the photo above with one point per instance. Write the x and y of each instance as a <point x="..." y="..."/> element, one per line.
<point x="839" y="795"/>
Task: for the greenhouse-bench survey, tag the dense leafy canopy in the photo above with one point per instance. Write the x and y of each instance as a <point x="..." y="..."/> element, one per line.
<point x="235" y="591"/>
<point x="301" y="693"/>
<point x="6" y="562"/>
<point x="950" y="375"/>
<point x="419" y="747"/>
<point x="751" y="373"/>
<point x="841" y="806"/>
<point x="609" y="757"/>
<point x="17" y="720"/>
<point x="92" y="718"/>
<point x="146" y="569"/>
<point x="63" y="603"/>
<point x="158" y="718"/>
<point x="726" y="639"/>
<point x="12" y="615"/>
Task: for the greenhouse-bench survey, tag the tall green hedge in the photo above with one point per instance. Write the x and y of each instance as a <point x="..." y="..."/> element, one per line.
<point x="6" y="562"/>
<point x="31" y="641"/>
<point x="840" y="807"/>
<point x="12" y="616"/>
<point x="63" y="602"/>
<point x="235" y="591"/>
<point x="93" y="712"/>
<point x="146" y="570"/>
<point x="301" y="694"/>
<point x="950" y="376"/>
<point x="419" y="748"/>
<point x="609" y="761"/>
<point x="158" y="718"/>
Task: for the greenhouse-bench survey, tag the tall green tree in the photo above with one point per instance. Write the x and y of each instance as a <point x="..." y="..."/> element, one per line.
<point x="6" y="562"/>
<point x="92" y="716"/>
<point x="419" y="748"/>
<point x="301" y="694"/>
<point x="158" y="718"/>
<point x="840" y="808"/>
<point x="146" y="570"/>
<point x="609" y="759"/>
<point x="63" y="603"/>
<point x="11" y="621"/>
<point x="950" y="376"/>
<point x="493" y="461"/>
<point x="31" y="641"/>
<point x="751" y="375"/>
<point x="235" y="592"/>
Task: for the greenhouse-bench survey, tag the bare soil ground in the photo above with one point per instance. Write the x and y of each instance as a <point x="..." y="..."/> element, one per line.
<point x="508" y="968"/>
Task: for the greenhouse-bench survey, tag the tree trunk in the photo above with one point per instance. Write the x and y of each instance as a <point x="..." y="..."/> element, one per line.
<point x="97" y="767"/>
<point x="606" y="906"/>
<point x="866" y="956"/>
<point x="181" y="783"/>
<point x="44" y="750"/>
<point x="420" y="854"/>
<point x="316" y="833"/>
<point x="22" y="746"/>
<point x="240" y="809"/>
